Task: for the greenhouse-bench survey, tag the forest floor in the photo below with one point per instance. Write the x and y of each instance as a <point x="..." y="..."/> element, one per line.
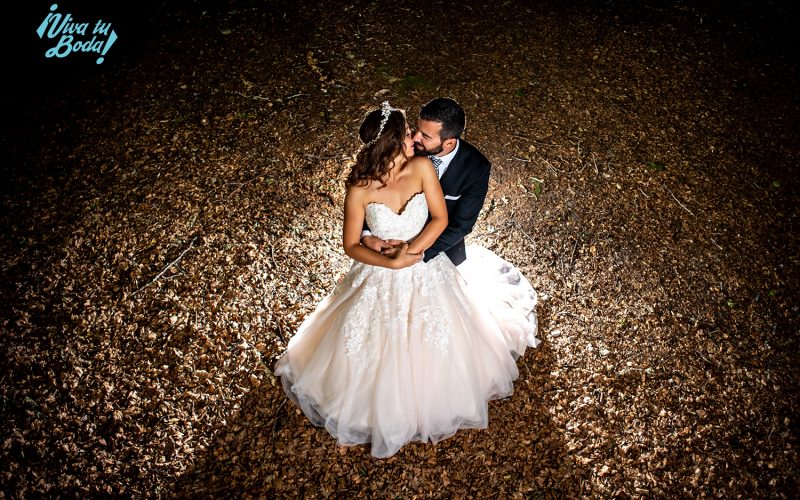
<point x="168" y="225"/>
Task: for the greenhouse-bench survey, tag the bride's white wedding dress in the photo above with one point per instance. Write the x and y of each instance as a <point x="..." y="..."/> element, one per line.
<point x="393" y="356"/>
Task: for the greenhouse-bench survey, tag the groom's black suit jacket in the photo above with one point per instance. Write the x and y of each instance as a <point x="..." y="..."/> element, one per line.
<point x="464" y="183"/>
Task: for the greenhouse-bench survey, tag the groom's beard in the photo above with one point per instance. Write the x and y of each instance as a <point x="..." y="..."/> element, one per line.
<point x="419" y="150"/>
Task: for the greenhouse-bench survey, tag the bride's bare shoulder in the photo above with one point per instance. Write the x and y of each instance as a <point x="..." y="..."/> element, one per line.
<point x="418" y="163"/>
<point x="356" y="194"/>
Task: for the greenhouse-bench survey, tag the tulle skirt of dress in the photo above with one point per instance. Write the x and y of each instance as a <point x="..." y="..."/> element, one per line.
<point x="393" y="356"/>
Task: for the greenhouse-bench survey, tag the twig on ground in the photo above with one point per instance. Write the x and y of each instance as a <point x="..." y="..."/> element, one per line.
<point x="704" y="358"/>
<point x="328" y="157"/>
<point x="679" y="201"/>
<point x="520" y="136"/>
<point x="550" y="165"/>
<point x="753" y="184"/>
<point x="277" y="423"/>
<point x="167" y="267"/>
<point x="574" y="248"/>
<point x="241" y="185"/>
<point x="516" y="226"/>
<point x="280" y="334"/>
<point x="566" y="170"/>
<point x="255" y="97"/>
<point x="272" y="257"/>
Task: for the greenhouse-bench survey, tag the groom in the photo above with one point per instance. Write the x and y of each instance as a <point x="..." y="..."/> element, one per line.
<point x="463" y="173"/>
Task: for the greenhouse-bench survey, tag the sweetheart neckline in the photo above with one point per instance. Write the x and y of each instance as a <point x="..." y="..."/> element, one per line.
<point x="402" y="209"/>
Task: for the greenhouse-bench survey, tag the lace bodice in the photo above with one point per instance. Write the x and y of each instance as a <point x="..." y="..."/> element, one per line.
<point x="386" y="224"/>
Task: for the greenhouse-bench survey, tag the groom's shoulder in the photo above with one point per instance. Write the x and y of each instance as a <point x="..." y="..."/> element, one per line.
<point x="471" y="153"/>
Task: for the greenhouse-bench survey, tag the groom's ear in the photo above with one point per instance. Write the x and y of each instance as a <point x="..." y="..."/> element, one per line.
<point x="449" y="143"/>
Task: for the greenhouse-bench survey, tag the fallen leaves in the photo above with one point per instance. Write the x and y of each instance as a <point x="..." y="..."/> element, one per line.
<point x="668" y="304"/>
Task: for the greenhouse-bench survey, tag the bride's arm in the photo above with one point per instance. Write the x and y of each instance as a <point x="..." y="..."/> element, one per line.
<point x="354" y="216"/>
<point x="436" y="206"/>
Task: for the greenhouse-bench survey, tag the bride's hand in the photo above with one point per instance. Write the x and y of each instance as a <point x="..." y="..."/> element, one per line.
<point x="405" y="259"/>
<point x="395" y="247"/>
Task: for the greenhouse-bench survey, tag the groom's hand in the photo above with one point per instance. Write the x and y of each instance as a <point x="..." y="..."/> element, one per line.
<point x="394" y="248"/>
<point x="386" y="247"/>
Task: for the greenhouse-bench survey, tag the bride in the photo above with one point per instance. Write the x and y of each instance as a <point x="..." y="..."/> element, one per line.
<point x="404" y="350"/>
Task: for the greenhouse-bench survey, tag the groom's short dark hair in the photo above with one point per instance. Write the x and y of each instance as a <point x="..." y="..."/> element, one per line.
<point x="449" y="113"/>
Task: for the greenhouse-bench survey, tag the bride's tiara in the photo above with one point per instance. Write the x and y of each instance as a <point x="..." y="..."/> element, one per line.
<point x="386" y="110"/>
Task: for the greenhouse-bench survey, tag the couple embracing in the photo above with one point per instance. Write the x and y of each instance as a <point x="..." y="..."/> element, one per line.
<point x="422" y="331"/>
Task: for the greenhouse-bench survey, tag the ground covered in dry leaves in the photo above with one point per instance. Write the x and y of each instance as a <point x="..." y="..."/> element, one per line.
<point x="168" y="223"/>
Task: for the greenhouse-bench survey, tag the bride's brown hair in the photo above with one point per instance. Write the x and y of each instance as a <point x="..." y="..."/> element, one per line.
<point x="374" y="160"/>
